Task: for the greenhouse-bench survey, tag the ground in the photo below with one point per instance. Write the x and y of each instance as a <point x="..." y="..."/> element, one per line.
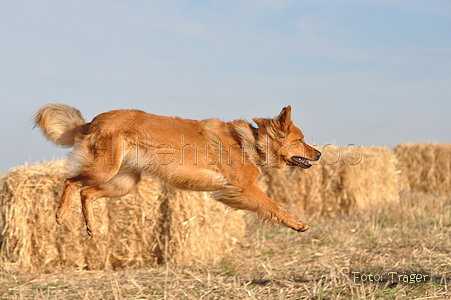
<point x="391" y="251"/>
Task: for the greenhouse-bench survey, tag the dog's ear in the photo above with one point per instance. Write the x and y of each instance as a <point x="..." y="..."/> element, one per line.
<point x="261" y="122"/>
<point x="284" y="118"/>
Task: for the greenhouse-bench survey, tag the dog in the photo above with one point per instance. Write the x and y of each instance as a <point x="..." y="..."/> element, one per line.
<point x="114" y="150"/>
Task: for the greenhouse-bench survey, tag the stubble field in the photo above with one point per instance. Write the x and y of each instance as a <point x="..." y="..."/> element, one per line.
<point x="386" y="251"/>
<point x="380" y="228"/>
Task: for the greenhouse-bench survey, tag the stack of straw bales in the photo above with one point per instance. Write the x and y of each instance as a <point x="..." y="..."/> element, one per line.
<point x="156" y="223"/>
<point x="344" y="179"/>
<point x="151" y="225"/>
<point x="425" y="167"/>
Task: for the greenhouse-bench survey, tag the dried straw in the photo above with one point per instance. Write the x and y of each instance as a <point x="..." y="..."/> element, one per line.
<point x="344" y="179"/>
<point x="425" y="167"/>
<point x="151" y="225"/>
<point x="156" y="223"/>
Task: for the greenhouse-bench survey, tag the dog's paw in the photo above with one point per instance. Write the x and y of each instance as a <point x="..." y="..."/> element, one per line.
<point x="90" y="231"/>
<point x="61" y="216"/>
<point x="301" y="227"/>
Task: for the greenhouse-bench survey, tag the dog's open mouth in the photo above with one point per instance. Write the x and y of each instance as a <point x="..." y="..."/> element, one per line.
<point x="299" y="161"/>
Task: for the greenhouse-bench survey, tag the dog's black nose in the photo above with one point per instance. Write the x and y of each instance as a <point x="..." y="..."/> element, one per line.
<point x="318" y="154"/>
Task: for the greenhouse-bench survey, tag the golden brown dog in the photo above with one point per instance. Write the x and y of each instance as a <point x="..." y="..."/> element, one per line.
<point x="114" y="150"/>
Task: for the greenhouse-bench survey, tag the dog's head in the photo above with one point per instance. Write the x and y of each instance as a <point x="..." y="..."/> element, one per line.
<point x="283" y="143"/>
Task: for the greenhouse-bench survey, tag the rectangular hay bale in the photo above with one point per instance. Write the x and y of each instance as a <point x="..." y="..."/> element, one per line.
<point x="151" y="225"/>
<point x="344" y="179"/>
<point x="425" y="167"/>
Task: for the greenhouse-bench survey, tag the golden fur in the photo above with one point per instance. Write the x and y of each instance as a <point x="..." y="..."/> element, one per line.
<point x="114" y="150"/>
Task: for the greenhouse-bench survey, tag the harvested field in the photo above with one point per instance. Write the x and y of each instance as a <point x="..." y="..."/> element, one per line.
<point x="367" y="240"/>
<point x="411" y="238"/>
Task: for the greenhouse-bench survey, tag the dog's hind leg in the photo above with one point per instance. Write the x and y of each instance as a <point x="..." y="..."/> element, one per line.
<point x="99" y="163"/>
<point x="253" y="199"/>
<point x="71" y="185"/>
<point x="121" y="184"/>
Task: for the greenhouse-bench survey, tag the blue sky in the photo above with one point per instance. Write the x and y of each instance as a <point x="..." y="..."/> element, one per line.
<point x="355" y="72"/>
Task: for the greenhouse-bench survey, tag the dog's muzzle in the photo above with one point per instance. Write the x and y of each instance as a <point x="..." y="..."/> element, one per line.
<point x="302" y="161"/>
<point x="299" y="161"/>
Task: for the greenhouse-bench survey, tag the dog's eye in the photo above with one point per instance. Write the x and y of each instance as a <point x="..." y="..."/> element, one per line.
<point x="301" y="140"/>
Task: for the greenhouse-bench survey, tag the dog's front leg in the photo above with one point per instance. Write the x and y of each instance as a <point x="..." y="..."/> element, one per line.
<point x="253" y="199"/>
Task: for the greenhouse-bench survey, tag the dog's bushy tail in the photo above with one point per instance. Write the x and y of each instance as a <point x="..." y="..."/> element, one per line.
<point x="60" y="123"/>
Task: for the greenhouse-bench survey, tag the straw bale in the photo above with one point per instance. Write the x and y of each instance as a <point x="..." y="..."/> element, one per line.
<point x="344" y="179"/>
<point x="425" y="167"/>
<point x="2" y="197"/>
<point x="151" y="225"/>
<point x="197" y="220"/>
<point x="375" y="179"/>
